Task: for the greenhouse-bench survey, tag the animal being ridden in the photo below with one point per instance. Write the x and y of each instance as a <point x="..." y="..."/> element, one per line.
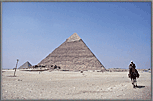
<point x="133" y="74"/>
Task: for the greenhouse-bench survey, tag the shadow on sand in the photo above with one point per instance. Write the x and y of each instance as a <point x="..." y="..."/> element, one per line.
<point x="11" y="76"/>
<point x="140" y="86"/>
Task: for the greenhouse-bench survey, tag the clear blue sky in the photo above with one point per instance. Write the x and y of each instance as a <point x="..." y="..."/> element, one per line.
<point x="116" y="32"/>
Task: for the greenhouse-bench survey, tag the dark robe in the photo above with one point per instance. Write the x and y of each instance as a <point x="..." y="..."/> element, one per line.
<point x="133" y="73"/>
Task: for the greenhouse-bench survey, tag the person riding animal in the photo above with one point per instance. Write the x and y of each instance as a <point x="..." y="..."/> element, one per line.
<point x="133" y="73"/>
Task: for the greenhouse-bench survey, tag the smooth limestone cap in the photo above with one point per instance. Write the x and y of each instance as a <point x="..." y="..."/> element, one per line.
<point x="73" y="37"/>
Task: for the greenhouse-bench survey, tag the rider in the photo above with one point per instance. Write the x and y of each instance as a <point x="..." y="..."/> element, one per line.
<point x="133" y="73"/>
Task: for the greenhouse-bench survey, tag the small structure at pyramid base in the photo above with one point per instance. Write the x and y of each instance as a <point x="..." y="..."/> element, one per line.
<point x="73" y="55"/>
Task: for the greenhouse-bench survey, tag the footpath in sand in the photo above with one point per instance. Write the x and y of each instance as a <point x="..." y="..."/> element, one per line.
<point x="74" y="85"/>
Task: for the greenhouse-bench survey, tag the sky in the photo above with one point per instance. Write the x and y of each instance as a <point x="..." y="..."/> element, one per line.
<point x="116" y="32"/>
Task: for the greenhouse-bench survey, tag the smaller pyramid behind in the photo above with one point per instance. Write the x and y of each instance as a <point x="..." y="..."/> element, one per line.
<point x="25" y="65"/>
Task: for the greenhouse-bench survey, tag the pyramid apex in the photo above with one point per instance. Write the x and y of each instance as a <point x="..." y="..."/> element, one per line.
<point x="73" y="37"/>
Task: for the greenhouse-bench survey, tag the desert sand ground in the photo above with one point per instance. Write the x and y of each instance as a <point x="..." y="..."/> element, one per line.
<point x="74" y="85"/>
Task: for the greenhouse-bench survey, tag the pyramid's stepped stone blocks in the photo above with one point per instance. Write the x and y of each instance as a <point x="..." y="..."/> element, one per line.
<point x="73" y="54"/>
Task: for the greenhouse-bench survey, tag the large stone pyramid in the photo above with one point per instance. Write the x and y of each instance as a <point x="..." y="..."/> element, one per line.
<point x="73" y="54"/>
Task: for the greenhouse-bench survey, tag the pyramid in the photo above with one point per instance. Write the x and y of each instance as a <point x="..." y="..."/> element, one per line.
<point x="25" y="65"/>
<point x="73" y="54"/>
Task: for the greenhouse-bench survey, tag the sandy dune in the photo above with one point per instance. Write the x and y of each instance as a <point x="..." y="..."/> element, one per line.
<point x="74" y="85"/>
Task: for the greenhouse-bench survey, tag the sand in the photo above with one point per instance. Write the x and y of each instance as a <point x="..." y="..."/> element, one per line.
<point x="74" y="85"/>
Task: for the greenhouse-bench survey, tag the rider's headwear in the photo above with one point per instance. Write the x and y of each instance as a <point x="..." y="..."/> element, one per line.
<point x="131" y="61"/>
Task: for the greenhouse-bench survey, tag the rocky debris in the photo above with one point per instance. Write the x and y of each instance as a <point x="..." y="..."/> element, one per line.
<point x="19" y="80"/>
